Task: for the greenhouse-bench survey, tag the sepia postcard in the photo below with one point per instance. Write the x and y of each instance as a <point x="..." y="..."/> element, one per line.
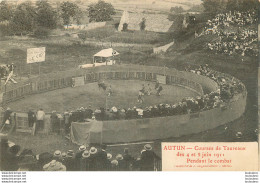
<point x="129" y="85"/>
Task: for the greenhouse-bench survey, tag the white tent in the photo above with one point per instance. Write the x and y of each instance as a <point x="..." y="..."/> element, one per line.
<point x="106" y="53"/>
<point x="105" y="57"/>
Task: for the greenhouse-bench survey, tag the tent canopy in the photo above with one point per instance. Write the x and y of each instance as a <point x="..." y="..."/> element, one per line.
<point x="106" y="53"/>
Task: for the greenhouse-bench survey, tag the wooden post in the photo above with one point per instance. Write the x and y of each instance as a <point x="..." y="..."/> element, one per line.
<point x="39" y="68"/>
<point x="30" y="69"/>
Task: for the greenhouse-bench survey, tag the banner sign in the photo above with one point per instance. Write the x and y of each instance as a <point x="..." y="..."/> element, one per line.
<point x="161" y="79"/>
<point x="78" y="81"/>
<point x="35" y="55"/>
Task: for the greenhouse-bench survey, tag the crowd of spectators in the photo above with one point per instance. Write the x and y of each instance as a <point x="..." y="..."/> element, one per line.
<point x="14" y="158"/>
<point x="236" y="31"/>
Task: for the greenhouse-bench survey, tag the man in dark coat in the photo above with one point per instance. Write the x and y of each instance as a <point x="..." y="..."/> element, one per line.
<point x="102" y="158"/>
<point x="31" y="118"/>
<point x="147" y="158"/>
<point x="128" y="159"/>
<point x="69" y="161"/>
<point x="12" y="159"/>
<point x="7" y="116"/>
<point x="78" y="156"/>
<point x="93" y="159"/>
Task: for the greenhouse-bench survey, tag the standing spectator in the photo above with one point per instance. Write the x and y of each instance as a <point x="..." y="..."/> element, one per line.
<point x="128" y="159"/>
<point x="93" y="159"/>
<point x="40" y="119"/>
<point x="57" y="155"/>
<point x="109" y="90"/>
<point x="147" y="158"/>
<point x="69" y="161"/>
<point x="78" y="156"/>
<point x="121" y="162"/>
<point x="54" y="122"/>
<point x="114" y="165"/>
<point x="109" y="158"/>
<point x="84" y="163"/>
<point x="31" y="118"/>
<point x="67" y="122"/>
<point x="102" y="158"/>
<point x="7" y="117"/>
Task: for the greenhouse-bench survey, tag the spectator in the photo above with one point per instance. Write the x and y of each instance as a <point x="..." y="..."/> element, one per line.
<point x="84" y="163"/>
<point x="55" y="125"/>
<point x="102" y="158"/>
<point x="69" y="161"/>
<point x="12" y="160"/>
<point x="147" y="158"/>
<point x="121" y="163"/>
<point x="31" y="118"/>
<point x="78" y="155"/>
<point x="128" y="159"/>
<point x="40" y="115"/>
<point x="114" y="165"/>
<point x="93" y="159"/>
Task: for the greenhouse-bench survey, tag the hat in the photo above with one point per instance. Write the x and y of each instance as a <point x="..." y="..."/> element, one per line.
<point x="148" y="147"/>
<point x="119" y="157"/>
<point x="70" y="153"/>
<point x="14" y="149"/>
<point x="63" y="155"/>
<point x="85" y="154"/>
<point x="82" y="148"/>
<point x="109" y="156"/>
<point x="93" y="150"/>
<point x="114" y="109"/>
<point x="114" y="162"/>
<point x="57" y="153"/>
<point x="10" y="144"/>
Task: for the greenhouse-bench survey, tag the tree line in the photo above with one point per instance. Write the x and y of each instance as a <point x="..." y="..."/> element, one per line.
<point x="221" y="6"/>
<point x="27" y="18"/>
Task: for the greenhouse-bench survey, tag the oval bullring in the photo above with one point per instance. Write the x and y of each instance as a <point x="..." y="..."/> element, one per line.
<point x="132" y="130"/>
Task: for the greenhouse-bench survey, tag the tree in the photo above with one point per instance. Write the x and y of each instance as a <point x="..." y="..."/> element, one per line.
<point x="214" y="6"/>
<point x="250" y="4"/>
<point x="177" y="9"/>
<point x="69" y="11"/>
<point x="6" y="12"/>
<point x="23" y="20"/>
<point x="46" y="15"/>
<point x="101" y="12"/>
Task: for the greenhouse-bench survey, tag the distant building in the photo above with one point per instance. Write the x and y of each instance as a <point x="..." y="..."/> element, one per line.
<point x="142" y="21"/>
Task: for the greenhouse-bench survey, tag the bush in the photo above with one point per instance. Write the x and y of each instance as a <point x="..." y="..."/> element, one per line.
<point x="5" y="30"/>
<point x="41" y="32"/>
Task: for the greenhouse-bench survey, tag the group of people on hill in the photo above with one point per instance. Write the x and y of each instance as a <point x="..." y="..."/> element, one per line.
<point x="236" y="31"/>
<point x="14" y="157"/>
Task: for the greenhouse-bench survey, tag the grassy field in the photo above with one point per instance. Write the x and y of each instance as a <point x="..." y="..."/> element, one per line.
<point x="124" y="96"/>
